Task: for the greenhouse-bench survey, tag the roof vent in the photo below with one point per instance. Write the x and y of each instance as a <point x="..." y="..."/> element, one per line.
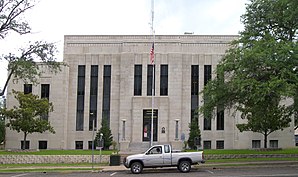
<point x="188" y="33"/>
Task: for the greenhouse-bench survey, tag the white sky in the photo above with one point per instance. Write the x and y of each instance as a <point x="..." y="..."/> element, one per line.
<point x="50" y="20"/>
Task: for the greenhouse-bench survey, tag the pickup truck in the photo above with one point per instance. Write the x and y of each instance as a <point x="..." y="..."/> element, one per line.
<point x="163" y="156"/>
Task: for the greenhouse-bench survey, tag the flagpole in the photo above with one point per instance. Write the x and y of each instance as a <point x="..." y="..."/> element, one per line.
<point x="153" y="67"/>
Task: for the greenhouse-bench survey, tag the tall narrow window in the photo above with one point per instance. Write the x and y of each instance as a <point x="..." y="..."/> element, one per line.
<point x="93" y="97"/>
<point x="106" y="93"/>
<point x="138" y="80"/>
<point x="207" y="74"/>
<point x="80" y="98"/>
<point x="220" y="118"/>
<point x="207" y="78"/>
<point x="164" y="80"/>
<point x="194" y="91"/>
<point x="45" y="93"/>
<point x="27" y="88"/>
<point x="150" y="83"/>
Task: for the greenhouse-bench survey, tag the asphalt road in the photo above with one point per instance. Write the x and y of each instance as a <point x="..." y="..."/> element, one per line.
<point x="256" y="171"/>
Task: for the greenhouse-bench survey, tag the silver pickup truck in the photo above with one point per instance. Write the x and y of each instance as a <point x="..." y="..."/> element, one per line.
<point x="163" y="156"/>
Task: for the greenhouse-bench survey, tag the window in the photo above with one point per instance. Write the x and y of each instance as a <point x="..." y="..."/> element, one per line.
<point x="150" y="84"/>
<point x="194" y="91"/>
<point x="90" y="145"/>
<point x="79" y="144"/>
<point x="167" y="149"/>
<point x="80" y="98"/>
<point x="220" y="118"/>
<point x="176" y="129"/>
<point x="220" y="144"/>
<point x="42" y="145"/>
<point x="138" y="80"/>
<point x="93" y="96"/>
<point x="195" y="80"/>
<point x="207" y="74"/>
<point x="45" y="91"/>
<point x="207" y="122"/>
<point x="27" y="144"/>
<point x="256" y="144"/>
<point x="106" y="93"/>
<point x="273" y="143"/>
<point x="207" y="144"/>
<point x="147" y="115"/>
<point x="164" y="80"/>
<point x="155" y="150"/>
<point x="27" y="88"/>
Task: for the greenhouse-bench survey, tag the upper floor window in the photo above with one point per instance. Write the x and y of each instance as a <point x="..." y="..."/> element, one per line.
<point x="164" y="80"/>
<point x="45" y="91"/>
<point x="27" y="88"/>
<point x="138" y="80"/>
<point x="150" y="78"/>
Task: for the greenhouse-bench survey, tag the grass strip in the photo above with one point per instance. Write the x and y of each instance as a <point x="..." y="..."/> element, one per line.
<point x="56" y="152"/>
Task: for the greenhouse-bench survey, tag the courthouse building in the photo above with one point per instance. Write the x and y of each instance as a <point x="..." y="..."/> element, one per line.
<point x="110" y="77"/>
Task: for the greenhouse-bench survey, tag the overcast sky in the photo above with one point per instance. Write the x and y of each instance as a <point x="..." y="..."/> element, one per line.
<point x="52" y="19"/>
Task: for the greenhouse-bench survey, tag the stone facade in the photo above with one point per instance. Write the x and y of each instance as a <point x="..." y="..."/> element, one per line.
<point x="126" y="110"/>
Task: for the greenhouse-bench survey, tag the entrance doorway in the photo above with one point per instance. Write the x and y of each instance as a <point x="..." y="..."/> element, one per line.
<point x="147" y="115"/>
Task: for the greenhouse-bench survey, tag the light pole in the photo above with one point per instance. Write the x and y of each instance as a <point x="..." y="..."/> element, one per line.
<point x="101" y="146"/>
<point x="91" y="115"/>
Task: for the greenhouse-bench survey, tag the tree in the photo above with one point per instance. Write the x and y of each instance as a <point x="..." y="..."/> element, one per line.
<point x="2" y="121"/>
<point x="23" y="66"/>
<point x="260" y="69"/>
<point x="28" y="116"/>
<point x="2" y="130"/>
<point x="194" y="132"/>
<point x="107" y="134"/>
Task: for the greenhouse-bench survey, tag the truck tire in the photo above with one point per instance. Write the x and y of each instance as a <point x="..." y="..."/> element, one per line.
<point x="184" y="166"/>
<point x="136" y="168"/>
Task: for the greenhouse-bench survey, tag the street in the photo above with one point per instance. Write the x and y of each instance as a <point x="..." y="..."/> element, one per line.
<point x="249" y="171"/>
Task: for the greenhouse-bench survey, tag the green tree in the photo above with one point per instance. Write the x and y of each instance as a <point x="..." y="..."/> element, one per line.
<point x="2" y="120"/>
<point x="24" y="65"/>
<point x="2" y="130"/>
<point x="107" y="134"/>
<point x="194" y="132"/>
<point x="260" y="69"/>
<point x="28" y="116"/>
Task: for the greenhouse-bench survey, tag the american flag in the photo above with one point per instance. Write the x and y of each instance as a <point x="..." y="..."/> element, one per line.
<point x="152" y="54"/>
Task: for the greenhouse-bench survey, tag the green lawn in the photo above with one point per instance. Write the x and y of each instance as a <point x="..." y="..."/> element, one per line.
<point x="251" y="151"/>
<point x="57" y="152"/>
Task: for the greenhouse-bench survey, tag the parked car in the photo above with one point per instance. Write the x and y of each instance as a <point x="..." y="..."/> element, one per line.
<point x="163" y="156"/>
<point x="296" y="140"/>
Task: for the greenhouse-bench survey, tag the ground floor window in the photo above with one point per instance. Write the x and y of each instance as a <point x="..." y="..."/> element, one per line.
<point x="256" y="144"/>
<point x="220" y="144"/>
<point x="273" y="143"/>
<point x="42" y="145"/>
<point x="90" y="145"/>
<point x="207" y="144"/>
<point x="147" y="116"/>
<point x="27" y="144"/>
<point x="79" y="144"/>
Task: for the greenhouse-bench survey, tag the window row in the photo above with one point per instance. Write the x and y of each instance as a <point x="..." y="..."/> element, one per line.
<point x="44" y="90"/>
<point x="151" y="80"/>
<point x="93" y="96"/>
<point x="255" y="144"/>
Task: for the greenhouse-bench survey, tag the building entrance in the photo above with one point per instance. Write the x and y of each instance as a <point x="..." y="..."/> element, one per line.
<point x="147" y="115"/>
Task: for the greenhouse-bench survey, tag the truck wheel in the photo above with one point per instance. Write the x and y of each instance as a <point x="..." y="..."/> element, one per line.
<point x="136" y="168"/>
<point x="184" y="166"/>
